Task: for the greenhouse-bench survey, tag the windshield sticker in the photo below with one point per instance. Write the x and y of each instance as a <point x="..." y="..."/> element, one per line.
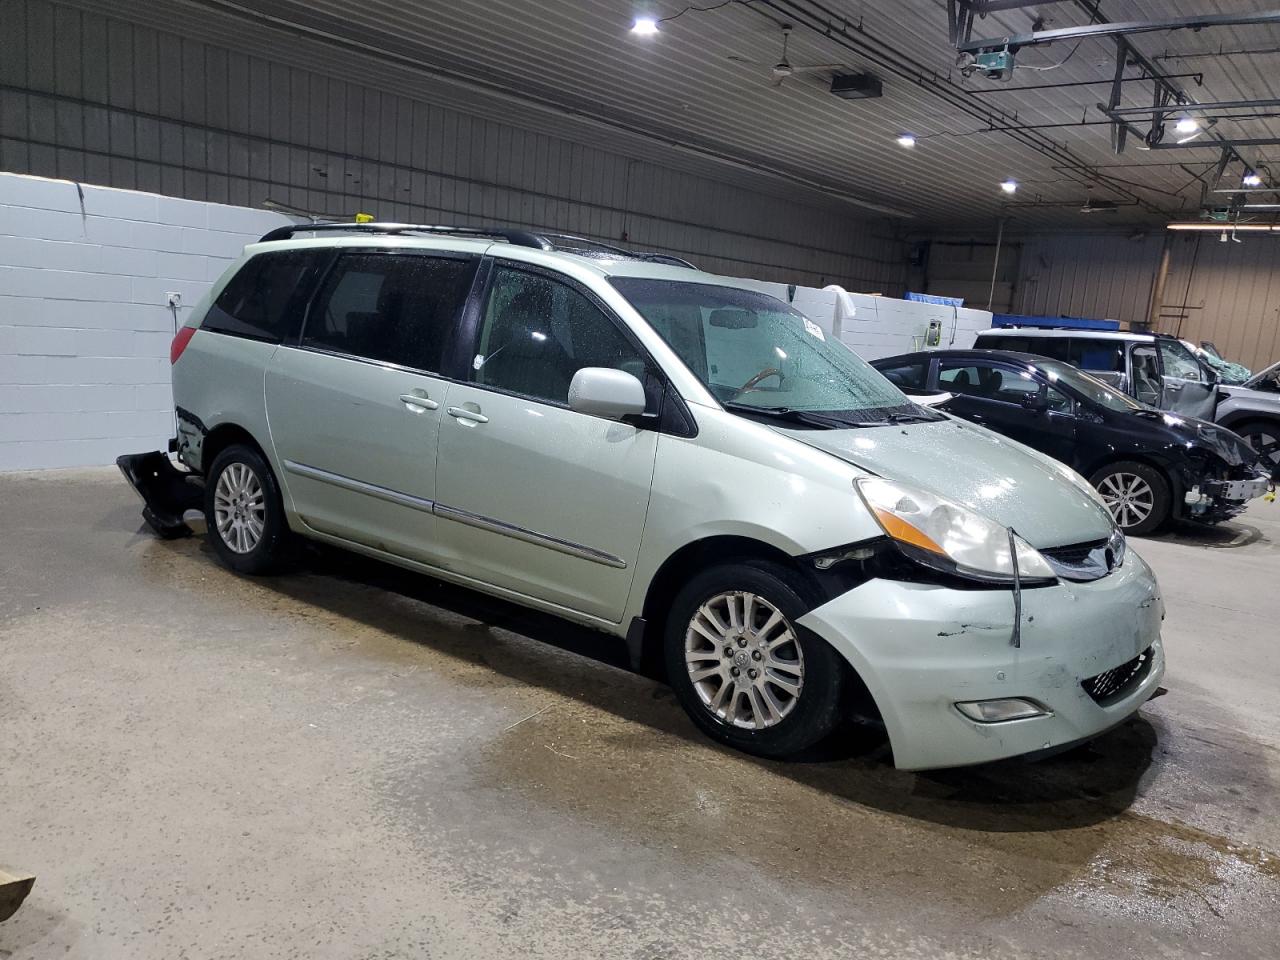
<point x="814" y="329"/>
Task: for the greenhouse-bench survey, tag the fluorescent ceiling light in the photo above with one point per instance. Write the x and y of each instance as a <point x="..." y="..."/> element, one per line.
<point x="906" y="140"/>
<point x="1251" y="179"/>
<point x="1216" y="227"/>
<point x="1187" y="124"/>
<point x="644" y="26"/>
<point x="1009" y="186"/>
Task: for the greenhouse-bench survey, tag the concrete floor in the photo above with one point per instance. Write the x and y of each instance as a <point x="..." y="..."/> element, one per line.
<point x="327" y="765"/>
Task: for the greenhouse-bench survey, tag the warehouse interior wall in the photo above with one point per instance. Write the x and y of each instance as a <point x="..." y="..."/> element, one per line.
<point x="91" y="98"/>
<point x="1225" y="292"/>
<point x="86" y="275"/>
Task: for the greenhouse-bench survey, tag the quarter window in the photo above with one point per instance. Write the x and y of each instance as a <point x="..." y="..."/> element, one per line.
<point x="538" y="332"/>
<point x="264" y="300"/>
<point x="906" y="376"/>
<point x="395" y="308"/>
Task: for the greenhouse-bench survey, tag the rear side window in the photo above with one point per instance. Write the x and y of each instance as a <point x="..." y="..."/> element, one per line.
<point x="391" y="307"/>
<point x="264" y="301"/>
<point x="1106" y="356"/>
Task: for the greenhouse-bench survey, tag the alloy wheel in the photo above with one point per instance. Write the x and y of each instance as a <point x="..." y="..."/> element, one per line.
<point x="1129" y="498"/>
<point x="744" y="660"/>
<point x="1266" y="445"/>
<point x="240" y="507"/>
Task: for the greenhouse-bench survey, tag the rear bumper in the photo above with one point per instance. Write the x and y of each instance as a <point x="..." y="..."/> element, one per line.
<point x="166" y="491"/>
<point x="921" y="649"/>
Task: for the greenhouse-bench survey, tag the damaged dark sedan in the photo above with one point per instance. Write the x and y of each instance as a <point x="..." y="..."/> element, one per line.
<point x="1149" y="465"/>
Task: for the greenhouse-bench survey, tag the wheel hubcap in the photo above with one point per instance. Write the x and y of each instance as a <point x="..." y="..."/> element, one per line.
<point x="239" y="507"/>
<point x="1129" y="498"/>
<point x="744" y="660"/>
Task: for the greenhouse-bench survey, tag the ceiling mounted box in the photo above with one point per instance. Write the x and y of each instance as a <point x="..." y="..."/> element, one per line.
<point x="856" y="86"/>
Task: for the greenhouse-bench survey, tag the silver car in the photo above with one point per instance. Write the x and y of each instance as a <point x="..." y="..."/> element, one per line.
<point x="1253" y="411"/>
<point x="668" y="457"/>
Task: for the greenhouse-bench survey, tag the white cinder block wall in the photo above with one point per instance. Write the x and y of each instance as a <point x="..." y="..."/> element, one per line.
<point x="85" y="326"/>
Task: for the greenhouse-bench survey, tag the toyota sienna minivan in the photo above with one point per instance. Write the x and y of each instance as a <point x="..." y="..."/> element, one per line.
<point x="663" y="455"/>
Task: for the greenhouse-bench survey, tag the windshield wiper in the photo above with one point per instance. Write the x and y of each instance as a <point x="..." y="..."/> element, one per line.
<point x="802" y="417"/>
<point x="893" y="419"/>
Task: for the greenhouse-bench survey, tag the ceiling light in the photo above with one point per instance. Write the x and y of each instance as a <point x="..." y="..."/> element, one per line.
<point x="1009" y="186"/>
<point x="1216" y="227"/>
<point x="1251" y="179"/>
<point x="906" y="140"/>
<point x="644" y="26"/>
<point x="1187" y="124"/>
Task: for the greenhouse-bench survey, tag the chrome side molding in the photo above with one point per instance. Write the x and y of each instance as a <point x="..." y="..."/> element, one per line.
<point x="501" y="527"/>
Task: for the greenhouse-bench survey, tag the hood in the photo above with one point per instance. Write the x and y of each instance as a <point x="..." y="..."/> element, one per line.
<point x="1223" y="443"/>
<point x="988" y="473"/>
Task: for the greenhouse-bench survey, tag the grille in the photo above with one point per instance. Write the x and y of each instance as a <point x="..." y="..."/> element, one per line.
<point x="1113" y="684"/>
<point x="1073" y="554"/>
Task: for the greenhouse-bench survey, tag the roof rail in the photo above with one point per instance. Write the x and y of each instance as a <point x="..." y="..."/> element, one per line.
<point x="514" y="236"/>
<point x="520" y="238"/>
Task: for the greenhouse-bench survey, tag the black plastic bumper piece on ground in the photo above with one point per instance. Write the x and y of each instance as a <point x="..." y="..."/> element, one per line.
<point x="166" y="491"/>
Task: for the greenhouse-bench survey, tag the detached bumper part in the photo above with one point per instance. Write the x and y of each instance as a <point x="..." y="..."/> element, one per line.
<point x="166" y="492"/>
<point x="1237" y="489"/>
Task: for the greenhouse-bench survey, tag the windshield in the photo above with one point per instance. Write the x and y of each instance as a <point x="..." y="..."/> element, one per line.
<point x="1089" y="387"/>
<point x="758" y="355"/>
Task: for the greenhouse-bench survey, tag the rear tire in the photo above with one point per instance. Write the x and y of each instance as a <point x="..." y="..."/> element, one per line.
<point x="244" y="512"/>
<point x="1137" y="496"/>
<point x="1264" y="437"/>
<point x="743" y="669"/>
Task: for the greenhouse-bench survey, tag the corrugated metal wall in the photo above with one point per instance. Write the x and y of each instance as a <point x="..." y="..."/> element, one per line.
<point x="1225" y="292"/>
<point x="92" y="99"/>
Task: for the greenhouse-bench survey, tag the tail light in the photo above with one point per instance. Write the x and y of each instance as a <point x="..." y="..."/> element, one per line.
<point x="180" y="341"/>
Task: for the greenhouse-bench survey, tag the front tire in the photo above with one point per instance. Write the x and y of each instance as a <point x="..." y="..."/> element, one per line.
<point x="743" y="669"/>
<point x="1137" y="496"/>
<point x="244" y="512"/>
<point x="1264" y="437"/>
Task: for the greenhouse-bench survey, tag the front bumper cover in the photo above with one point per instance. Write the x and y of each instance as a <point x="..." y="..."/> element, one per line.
<point x="922" y="648"/>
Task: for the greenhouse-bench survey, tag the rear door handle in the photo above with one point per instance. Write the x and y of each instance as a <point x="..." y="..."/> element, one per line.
<point x="472" y="416"/>
<point x="423" y="402"/>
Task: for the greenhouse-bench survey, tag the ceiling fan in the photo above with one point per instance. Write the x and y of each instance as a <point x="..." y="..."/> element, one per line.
<point x="784" y="68"/>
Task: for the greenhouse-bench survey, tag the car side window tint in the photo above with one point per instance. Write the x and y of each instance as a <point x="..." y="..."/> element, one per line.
<point x="395" y="308"/>
<point x="1058" y="402"/>
<point x="1179" y="361"/>
<point x="264" y="300"/>
<point x="1106" y="356"/>
<point x="956" y="376"/>
<point x="538" y="332"/>
<point x="906" y="376"/>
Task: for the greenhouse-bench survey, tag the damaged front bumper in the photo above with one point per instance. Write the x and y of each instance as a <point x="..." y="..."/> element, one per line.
<point x="166" y="492"/>
<point x="940" y="662"/>
<point x="1216" y="500"/>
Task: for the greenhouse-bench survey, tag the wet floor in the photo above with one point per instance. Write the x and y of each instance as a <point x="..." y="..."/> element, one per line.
<point x="350" y="761"/>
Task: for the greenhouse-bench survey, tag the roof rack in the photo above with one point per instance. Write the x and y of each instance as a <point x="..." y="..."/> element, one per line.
<point x="514" y="236"/>
<point x="520" y="238"/>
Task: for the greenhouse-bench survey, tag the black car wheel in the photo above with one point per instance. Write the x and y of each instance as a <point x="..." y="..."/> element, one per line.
<point x="1136" y="495"/>
<point x="742" y="667"/>
<point x="1264" y="437"/>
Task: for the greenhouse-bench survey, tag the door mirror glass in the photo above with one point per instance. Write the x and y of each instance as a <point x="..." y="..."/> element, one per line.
<point x="604" y="392"/>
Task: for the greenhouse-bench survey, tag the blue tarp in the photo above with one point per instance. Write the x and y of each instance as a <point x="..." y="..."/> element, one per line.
<point x="940" y="301"/>
<point x="1067" y="323"/>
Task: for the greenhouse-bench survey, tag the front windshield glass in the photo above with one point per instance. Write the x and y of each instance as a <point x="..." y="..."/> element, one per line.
<point x="757" y="354"/>
<point x="1090" y="387"/>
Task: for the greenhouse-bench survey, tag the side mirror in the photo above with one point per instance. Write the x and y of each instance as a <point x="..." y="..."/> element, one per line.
<point x="1035" y="402"/>
<point x="608" y="393"/>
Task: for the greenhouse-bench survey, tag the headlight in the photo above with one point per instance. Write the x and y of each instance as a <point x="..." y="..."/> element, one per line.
<point x="948" y="537"/>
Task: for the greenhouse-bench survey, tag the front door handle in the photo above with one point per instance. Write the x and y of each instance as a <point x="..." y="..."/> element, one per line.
<point x="471" y="416"/>
<point x="423" y="403"/>
<point x="1173" y="385"/>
